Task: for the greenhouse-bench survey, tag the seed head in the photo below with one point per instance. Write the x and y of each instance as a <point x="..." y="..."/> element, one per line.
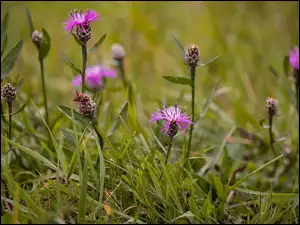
<point x="8" y="93"/>
<point x="36" y="38"/>
<point x="86" y="105"/>
<point x="192" y="56"/>
<point x="272" y="106"/>
<point x="117" y="52"/>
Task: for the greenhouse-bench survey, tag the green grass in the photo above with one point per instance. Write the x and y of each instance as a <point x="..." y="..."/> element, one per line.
<point x="56" y="177"/>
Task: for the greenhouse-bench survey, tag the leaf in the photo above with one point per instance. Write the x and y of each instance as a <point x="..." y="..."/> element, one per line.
<point x="83" y="191"/>
<point x="98" y="44"/>
<point x="210" y="61"/>
<point x="29" y="20"/>
<point x="261" y="122"/>
<point x="216" y="182"/>
<point x="77" y="40"/>
<point x="4" y="23"/>
<point x="19" y="110"/>
<point x="4" y="44"/>
<point x="286" y="62"/>
<point x="179" y="80"/>
<point x="70" y="63"/>
<point x="77" y="116"/>
<point x="179" y="45"/>
<point x="10" y="59"/>
<point x="19" y="84"/>
<point x="45" y="45"/>
<point x="122" y="114"/>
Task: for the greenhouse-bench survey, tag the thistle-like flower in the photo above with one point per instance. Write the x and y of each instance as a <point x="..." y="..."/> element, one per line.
<point x="36" y="38"/>
<point x="174" y="119"/>
<point x="82" y="22"/>
<point x="294" y="58"/>
<point x="271" y="106"/>
<point x="86" y="105"/>
<point x="192" y="56"/>
<point x="117" y="52"/>
<point x="8" y="93"/>
<point x="93" y="76"/>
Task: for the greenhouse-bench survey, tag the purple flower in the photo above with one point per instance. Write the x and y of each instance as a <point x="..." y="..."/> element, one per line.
<point x="294" y="58"/>
<point x="93" y="76"/>
<point x="174" y="118"/>
<point x="80" y="19"/>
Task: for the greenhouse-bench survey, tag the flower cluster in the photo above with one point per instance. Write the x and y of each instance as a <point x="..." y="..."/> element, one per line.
<point x="86" y="105"/>
<point x="8" y="93"/>
<point x="294" y="58"/>
<point x="93" y="76"/>
<point x="271" y="106"/>
<point x="174" y="118"/>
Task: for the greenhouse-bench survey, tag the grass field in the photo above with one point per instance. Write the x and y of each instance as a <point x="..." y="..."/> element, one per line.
<point x="232" y="174"/>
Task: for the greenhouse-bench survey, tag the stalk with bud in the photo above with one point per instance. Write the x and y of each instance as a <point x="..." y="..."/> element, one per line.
<point x="118" y="53"/>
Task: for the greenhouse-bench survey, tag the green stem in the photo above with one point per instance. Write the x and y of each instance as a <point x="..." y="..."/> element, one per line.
<point x="193" y="74"/>
<point x="167" y="156"/>
<point x="296" y="75"/>
<point x="84" y="60"/>
<point x="272" y="142"/>
<point x="44" y="91"/>
<point x="122" y="72"/>
<point x="9" y="122"/>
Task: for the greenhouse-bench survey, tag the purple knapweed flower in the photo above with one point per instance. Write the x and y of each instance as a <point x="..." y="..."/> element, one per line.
<point x="294" y="58"/>
<point x="174" y="118"/>
<point x="93" y="76"/>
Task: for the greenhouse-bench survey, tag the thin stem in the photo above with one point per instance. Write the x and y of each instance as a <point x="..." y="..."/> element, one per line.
<point x="167" y="156"/>
<point x="122" y="71"/>
<point x="44" y="91"/>
<point x="272" y="142"/>
<point x="9" y="122"/>
<point x="84" y="60"/>
<point x="193" y="74"/>
<point x="296" y="75"/>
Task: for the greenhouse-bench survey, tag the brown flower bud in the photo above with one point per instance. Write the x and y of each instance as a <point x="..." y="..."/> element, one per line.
<point x="192" y="56"/>
<point x="117" y="52"/>
<point x="272" y="106"/>
<point x="84" y="33"/>
<point x="8" y="93"/>
<point x="36" y="38"/>
<point x="86" y="105"/>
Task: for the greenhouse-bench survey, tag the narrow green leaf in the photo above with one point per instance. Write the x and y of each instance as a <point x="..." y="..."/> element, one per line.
<point x="10" y="59"/>
<point x="4" y="44"/>
<point x="21" y="109"/>
<point x="286" y="63"/>
<point x="101" y="172"/>
<point x="84" y="121"/>
<point x="179" y="80"/>
<point x="83" y="192"/>
<point x="45" y="45"/>
<point x="117" y="124"/>
<point x="210" y="61"/>
<point x="179" y="45"/>
<point x="4" y="23"/>
<point x="70" y="63"/>
<point x="33" y="154"/>
<point x="216" y="182"/>
<point x="30" y="23"/>
<point x="98" y="44"/>
<point x="19" y="84"/>
<point x="77" y="40"/>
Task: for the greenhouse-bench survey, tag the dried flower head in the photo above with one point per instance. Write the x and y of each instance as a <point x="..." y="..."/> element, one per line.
<point x="174" y="119"/>
<point x="294" y="58"/>
<point x="8" y="93"/>
<point x="82" y="22"/>
<point x="86" y="105"/>
<point x="36" y="38"/>
<point x="93" y="76"/>
<point x="192" y="56"/>
<point x="272" y="106"/>
<point x="117" y="52"/>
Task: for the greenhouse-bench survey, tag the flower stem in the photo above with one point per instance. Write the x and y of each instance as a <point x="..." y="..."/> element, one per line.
<point x="193" y="74"/>
<point x="9" y="122"/>
<point x="44" y="91"/>
<point x="122" y="71"/>
<point x="167" y="156"/>
<point x="84" y="60"/>
<point x="296" y="75"/>
<point x="272" y="142"/>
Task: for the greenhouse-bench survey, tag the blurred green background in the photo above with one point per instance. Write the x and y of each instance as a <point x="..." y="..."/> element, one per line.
<point x="249" y="35"/>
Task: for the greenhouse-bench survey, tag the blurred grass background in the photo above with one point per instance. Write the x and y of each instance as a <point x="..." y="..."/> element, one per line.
<point x="249" y="35"/>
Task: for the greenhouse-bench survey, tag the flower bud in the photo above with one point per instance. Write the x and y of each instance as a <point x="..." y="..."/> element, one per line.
<point x="84" y="33"/>
<point x="192" y="56"/>
<point x="8" y="93"/>
<point x="272" y="106"/>
<point x="117" y="52"/>
<point x="36" y="38"/>
<point x="86" y="106"/>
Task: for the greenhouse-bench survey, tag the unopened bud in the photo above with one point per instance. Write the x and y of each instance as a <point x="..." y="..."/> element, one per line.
<point x="117" y="52"/>
<point x="86" y="105"/>
<point x="36" y="38"/>
<point x="272" y="106"/>
<point x="192" y="56"/>
<point x="8" y="93"/>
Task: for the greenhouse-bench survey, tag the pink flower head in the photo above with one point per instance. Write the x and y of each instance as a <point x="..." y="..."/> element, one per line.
<point x="80" y="19"/>
<point x="294" y="58"/>
<point x="174" y="118"/>
<point x="93" y="76"/>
